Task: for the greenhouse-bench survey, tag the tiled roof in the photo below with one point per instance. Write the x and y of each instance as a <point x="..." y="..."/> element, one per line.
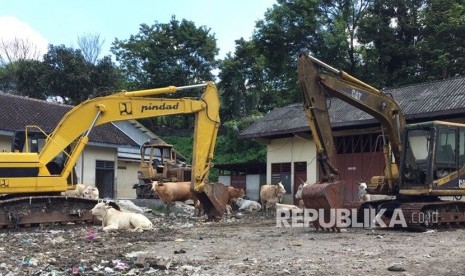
<point x="16" y="112"/>
<point x="425" y="101"/>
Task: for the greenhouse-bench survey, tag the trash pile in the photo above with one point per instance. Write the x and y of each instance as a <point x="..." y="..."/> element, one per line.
<point x="76" y="249"/>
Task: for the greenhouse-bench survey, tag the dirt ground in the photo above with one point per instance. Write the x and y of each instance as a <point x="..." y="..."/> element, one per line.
<point x="249" y="245"/>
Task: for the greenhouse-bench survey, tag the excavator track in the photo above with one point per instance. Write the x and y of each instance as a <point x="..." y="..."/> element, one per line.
<point x="423" y="215"/>
<point x="36" y="210"/>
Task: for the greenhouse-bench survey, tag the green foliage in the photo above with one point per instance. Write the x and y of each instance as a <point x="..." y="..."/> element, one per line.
<point x="390" y="33"/>
<point x="68" y="75"/>
<point x="288" y="29"/>
<point x="29" y="81"/>
<point x="8" y="78"/>
<point x="233" y="150"/>
<point x="176" y="53"/>
<point x="242" y="82"/>
<point x="442" y="51"/>
<point x="183" y="144"/>
<point x="63" y="73"/>
<point x="228" y="149"/>
<point x="262" y="72"/>
<point x="166" y="54"/>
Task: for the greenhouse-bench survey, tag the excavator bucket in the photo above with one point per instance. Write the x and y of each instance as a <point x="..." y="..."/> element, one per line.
<point x="214" y="199"/>
<point x="324" y="196"/>
<point x="327" y="195"/>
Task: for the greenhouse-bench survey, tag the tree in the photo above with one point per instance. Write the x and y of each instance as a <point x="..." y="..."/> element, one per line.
<point x="341" y="21"/>
<point x="177" y="53"/>
<point x="105" y="76"/>
<point x="17" y="49"/>
<point x="69" y="77"/>
<point x="326" y="29"/>
<point x="442" y="51"/>
<point x="7" y="79"/>
<point x="242" y="82"/>
<point x="29" y="80"/>
<point x="90" y="46"/>
<point x="289" y="28"/>
<point x="389" y="36"/>
<point x="66" y="74"/>
<point x="12" y="54"/>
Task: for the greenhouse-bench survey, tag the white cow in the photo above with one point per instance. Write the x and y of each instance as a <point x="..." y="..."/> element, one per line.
<point x="90" y="192"/>
<point x="82" y="191"/>
<point x="248" y="205"/>
<point x="298" y="194"/>
<point x="78" y="192"/>
<point x="364" y="196"/>
<point x="287" y="207"/>
<point x="114" y="219"/>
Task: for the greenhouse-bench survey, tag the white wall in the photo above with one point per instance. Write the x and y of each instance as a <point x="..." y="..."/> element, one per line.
<point x="295" y="149"/>
<point x="225" y="179"/>
<point x="85" y="166"/>
<point x="127" y="177"/>
<point x="253" y="186"/>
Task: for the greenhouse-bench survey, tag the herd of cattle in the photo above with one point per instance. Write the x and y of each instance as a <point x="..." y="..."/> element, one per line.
<point x="170" y="192"/>
<point x="114" y="218"/>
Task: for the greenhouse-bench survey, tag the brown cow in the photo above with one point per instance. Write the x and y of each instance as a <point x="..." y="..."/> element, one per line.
<point x="270" y="194"/>
<point x="169" y="192"/>
<point x="235" y="193"/>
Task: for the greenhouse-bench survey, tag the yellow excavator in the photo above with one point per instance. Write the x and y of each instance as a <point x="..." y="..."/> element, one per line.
<point x="33" y="177"/>
<point x="422" y="161"/>
<point x="159" y="162"/>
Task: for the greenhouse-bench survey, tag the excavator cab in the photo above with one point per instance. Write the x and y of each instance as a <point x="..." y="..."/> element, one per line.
<point x="29" y="141"/>
<point x="433" y="156"/>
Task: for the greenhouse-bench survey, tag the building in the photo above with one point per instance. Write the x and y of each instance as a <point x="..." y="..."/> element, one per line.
<point x="291" y="152"/>
<point x="111" y="159"/>
<point x="243" y="175"/>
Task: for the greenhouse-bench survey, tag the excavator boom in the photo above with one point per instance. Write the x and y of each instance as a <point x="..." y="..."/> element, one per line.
<point x="30" y="172"/>
<point x="422" y="161"/>
<point x="319" y="82"/>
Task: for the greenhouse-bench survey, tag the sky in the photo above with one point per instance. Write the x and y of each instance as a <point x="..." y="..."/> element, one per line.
<point x="62" y="21"/>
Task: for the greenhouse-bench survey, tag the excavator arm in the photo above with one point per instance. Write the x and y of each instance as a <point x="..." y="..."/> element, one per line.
<point x="28" y="172"/>
<point x="319" y="82"/>
<point x="134" y="105"/>
<point x="316" y="110"/>
<point x="317" y="85"/>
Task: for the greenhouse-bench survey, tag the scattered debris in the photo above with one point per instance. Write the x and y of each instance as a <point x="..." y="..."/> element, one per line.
<point x="396" y="268"/>
<point x="187" y="245"/>
<point x="180" y="251"/>
<point x="147" y="261"/>
<point x="129" y="206"/>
